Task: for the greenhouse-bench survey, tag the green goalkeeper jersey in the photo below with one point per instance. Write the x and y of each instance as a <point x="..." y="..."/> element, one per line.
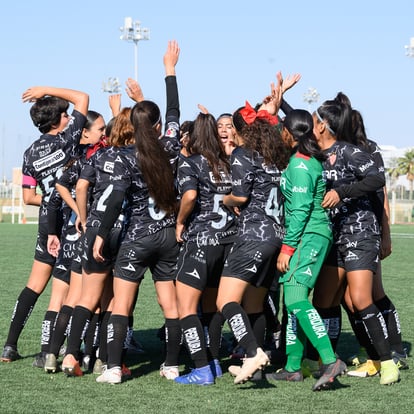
<point x="303" y="187"/>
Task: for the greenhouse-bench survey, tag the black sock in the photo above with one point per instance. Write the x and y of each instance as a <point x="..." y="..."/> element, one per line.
<point x="58" y="336"/>
<point x="22" y="310"/>
<point x="258" y="323"/>
<point x="239" y="324"/>
<point x="173" y="336"/>
<point x="80" y="321"/>
<point x="361" y="333"/>
<point x="392" y="320"/>
<point x="117" y="331"/>
<point x="103" y="336"/>
<point x="375" y="324"/>
<point x="48" y="325"/>
<point x="91" y="334"/>
<point x="212" y="325"/>
<point x="195" y="340"/>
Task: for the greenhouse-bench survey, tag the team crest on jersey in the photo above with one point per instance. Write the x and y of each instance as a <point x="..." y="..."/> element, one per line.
<point x="171" y="133"/>
<point x="108" y="167"/>
<point x="302" y="166"/>
<point x="332" y="159"/>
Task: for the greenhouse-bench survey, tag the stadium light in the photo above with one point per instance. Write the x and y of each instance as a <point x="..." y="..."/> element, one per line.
<point x="409" y="49"/>
<point x="132" y="32"/>
<point x="111" y="86"/>
<point x="311" y="96"/>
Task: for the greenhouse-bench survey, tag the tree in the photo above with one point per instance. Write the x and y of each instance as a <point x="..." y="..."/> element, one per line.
<point x="405" y="166"/>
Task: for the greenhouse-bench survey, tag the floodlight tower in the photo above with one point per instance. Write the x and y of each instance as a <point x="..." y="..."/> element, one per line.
<point x="311" y="96"/>
<point x="409" y="49"/>
<point x="111" y="86"/>
<point x="132" y="32"/>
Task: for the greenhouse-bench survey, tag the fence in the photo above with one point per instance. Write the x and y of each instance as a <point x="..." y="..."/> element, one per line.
<point x="13" y="209"/>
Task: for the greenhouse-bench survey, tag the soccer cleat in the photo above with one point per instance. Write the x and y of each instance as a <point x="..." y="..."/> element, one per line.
<point x="111" y="376"/>
<point x="328" y="374"/>
<point x="126" y="372"/>
<point x="197" y="376"/>
<point x="358" y="359"/>
<point x="368" y="369"/>
<point x="389" y="372"/>
<point x="9" y="354"/>
<point x="169" y="372"/>
<point x="283" y="375"/>
<point x="86" y="360"/>
<point x="98" y="367"/>
<point x="70" y="366"/>
<point x="310" y="368"/>
<point x="234" y="370"/>
<point x="251" y="365"/>
<point x="400" y="360"/>
<point x="50" y="363"/>
<point x="216" y="368"/>
<point x="39" y="361"/>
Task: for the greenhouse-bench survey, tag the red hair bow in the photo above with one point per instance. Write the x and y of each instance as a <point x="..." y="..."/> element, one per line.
<point x="249" y="115"/>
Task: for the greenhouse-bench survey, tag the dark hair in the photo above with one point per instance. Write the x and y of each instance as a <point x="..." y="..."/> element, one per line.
<point x="338" y="116"/>
<point x="299" y="123"/>
<point x="122" y="131"/>
<point x="108" y="127"/>
<point x="360" y="138"/>
<point x="264" y="138"/>
<point x="204" y="140"/>
<point x="91" y="117"/>
<point x="152" y="158"/>
<point x="224" y="115"/>
<point x="46" y="112"/>
<point x="342" y="98"/>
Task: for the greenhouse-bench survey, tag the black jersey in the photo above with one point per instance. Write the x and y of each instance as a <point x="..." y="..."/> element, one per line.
<point x="44" y="159"/>
<point x="144" y="217"/>
<point x="345" y="165"/>
<point x="99" y="171"/>
<point x="261" y="217"/>
<point x="210" y="223"/>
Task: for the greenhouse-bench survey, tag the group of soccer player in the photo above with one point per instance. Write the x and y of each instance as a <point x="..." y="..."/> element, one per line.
<point x="218" y="212"/>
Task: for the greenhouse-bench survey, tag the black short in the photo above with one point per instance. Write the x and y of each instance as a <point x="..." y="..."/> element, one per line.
<point x="253" y="262"/>
<point x="76" y="265"/>
<point x="110" y="250"/>
<point x="356" y="254"/>
<point x="201" y="266"/>
<point x="157" y="252"/>
<point x="41" y="253"/>
<point x="68" y="250"/>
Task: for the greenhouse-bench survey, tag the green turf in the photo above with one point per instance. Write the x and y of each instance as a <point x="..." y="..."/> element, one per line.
<point x="24" y="389"/>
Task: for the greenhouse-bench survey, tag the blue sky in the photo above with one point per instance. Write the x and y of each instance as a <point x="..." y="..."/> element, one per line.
<point x="230" y="52"/>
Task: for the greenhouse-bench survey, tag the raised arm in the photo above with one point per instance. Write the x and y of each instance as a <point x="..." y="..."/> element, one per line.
<point x="80" y="100"/>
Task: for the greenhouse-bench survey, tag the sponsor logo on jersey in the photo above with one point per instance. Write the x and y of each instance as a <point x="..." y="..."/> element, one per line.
<point x="364" y="167"/>
<point x="236" y="162"/>
<point x="129" y="267"/>
<point x="194" y="273"/>
<point x="118" y="159"/>
<point x="302" y="166"/>
<point x="38" y="248"/>
<point x="61" y="267"/>
<point x="352" y="244"/>
<point x="299" y="189"/>
<point x="50" y="160"/>
<point x="108" y="167"/>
